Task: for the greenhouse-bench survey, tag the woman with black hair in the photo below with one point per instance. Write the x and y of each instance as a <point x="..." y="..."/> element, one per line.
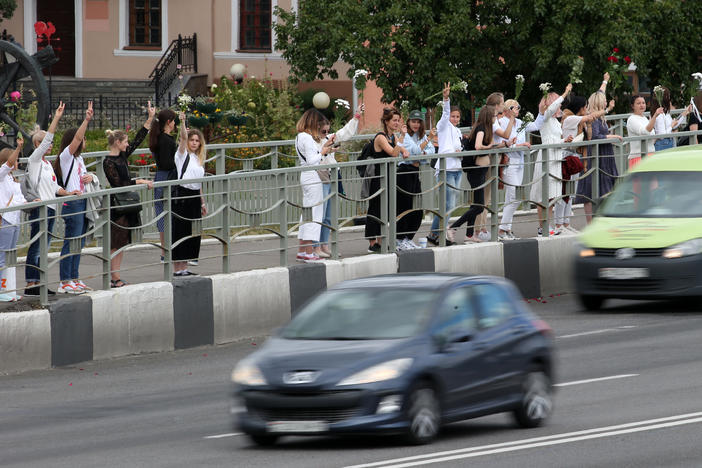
<point x="163" y="147"/>
<point x="665" y="124"/>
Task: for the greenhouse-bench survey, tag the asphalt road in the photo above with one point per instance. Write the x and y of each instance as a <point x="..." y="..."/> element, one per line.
<point x="630" y="383"/>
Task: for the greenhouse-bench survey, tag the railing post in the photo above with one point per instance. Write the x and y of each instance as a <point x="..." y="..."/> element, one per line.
<point x="106" y="243"/>
<point x="195" y="51"/>
<point x="44" y="255"/>
<point x="167" y="234"/>
<point x="545" y="201"/>
<point x="392" y="205"/>
<point x="334" y="214"/>
<point x="274" y="158"/>
<point x="179" y="50"/>
<point x="384" y="186"/>
<point x="495" y="175"/>
<point x="224" y="233"/>
<point x="596" y="177"/>
<point x="221" y="164"/>
<point x="283" y="217"/>
<point x="443" y="215"/>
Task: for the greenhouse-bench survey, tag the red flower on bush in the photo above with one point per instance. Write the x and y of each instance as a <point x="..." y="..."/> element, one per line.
<point x="615" y="50"/>
<point x="627" y="59"/>
<point x="612" y="59"/>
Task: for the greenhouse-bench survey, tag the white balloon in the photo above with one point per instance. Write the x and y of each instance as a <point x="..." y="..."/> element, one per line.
<point x="320" y="100"/>
<point x="237" y="71"/>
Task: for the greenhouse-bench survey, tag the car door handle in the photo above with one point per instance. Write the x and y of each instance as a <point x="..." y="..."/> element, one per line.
<point x="480" y="345"/>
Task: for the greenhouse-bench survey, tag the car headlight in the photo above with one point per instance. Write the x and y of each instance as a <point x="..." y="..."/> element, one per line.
<point x="246" y="373"/>
<point x="683" y="249"/>
<point x="583" y="251"/>
<point x="385" y="371"/>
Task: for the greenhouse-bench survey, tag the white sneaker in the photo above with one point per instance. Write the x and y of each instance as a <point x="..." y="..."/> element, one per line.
<point x="68" y="288"/>
<point x="512" y="236"/>
<point x="558" y="231"/>
<point x="484" y="236"/>
<point x="400" y="245"/>
<point x="82" y="286"/>
<point x="412" y="245"/>
<point x="193" y="262"/>
<point x="572" y="229"/>
<point x="504" y="236"/>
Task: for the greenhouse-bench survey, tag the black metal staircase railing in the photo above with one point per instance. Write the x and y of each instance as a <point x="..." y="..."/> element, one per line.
<point x="179" y="58"/>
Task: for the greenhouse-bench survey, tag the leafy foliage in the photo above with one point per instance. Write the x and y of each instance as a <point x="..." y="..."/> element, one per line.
<point x="7" y="9"/>
<point x="411" y="48"/>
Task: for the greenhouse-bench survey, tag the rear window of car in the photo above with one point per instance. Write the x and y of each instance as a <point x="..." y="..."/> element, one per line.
<point x="363" y="314"/>
<point x="674" y="194"/>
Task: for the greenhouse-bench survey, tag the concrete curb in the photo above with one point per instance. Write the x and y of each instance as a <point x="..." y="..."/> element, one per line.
<point x="200" y="311"/>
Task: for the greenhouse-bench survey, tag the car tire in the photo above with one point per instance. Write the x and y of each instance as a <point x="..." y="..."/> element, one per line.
<point x="424" y="415"/>
<point x="537" y="400"/>
<point x="263" y="440"/>
<point x="591" y="302"/>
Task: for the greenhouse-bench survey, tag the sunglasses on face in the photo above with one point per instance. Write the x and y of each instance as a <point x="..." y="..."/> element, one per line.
<point x="515" y="108"/>
<point x="324" y="132"/>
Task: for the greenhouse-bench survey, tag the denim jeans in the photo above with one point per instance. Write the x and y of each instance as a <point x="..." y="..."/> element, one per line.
<point x="326" y="216"/>
<point x="32" y="274"/>
<point x="452" y="178"/>
<point x="9" y="233"/>
<point x="663" y="143"/>
<point x="73" y="214"/>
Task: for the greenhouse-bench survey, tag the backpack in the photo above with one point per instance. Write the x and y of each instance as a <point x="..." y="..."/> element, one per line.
<point x="367" y="152"/>
<point x="467" y="161"/>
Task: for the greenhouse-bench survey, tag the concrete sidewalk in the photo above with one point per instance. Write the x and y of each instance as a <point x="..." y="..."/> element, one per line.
<point x="142" y="263"/>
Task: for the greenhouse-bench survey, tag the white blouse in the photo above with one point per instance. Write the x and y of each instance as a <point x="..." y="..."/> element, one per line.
<point x="193" y="171"/>
<point x="449" y="139"/>
<point x="636" y="126"/>
<point x="308" y="150"/>
<point x="10" y="194"/>
<point x="39" y="169"/>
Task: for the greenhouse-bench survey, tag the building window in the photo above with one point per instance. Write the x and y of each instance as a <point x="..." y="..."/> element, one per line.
<point x="255" y="25"/>
<point x="145" y="24"/>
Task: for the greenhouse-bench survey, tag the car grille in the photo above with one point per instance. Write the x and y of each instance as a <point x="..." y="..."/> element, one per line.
<point x="638" y="253"/>
<point x="330" y="415"/>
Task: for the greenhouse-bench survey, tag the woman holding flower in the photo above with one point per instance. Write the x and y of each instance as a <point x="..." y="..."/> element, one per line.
<point x="343" y="134"/>
<point x="163" y="147"/>
<point x="638" y="125"/>
<point x="665" y="124"/>
<point x="551" y="133"/>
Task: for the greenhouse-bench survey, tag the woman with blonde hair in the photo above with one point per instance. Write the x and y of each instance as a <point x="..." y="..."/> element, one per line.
<point x="310" y="153"/>
<point x="608" y="173"/>
<point x="116" y="167"/>
<point x="188" y="203"/>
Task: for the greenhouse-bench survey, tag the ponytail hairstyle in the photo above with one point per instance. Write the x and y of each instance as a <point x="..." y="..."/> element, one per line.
<point x="157" y="126"/>
<point x="66" y="140"/>
<point x="388" y="114"/>
<point x="575" y="103"/>
<point x="485" y="118"/>
<point x="115" y="136"/>
<point x="201" y="151"/>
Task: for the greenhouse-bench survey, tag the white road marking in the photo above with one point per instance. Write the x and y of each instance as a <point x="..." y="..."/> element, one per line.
<point x="568" y="437"/>
<point x="222" y="436"/>
<point x="596" y="332"/>
<point x="599" y="379"/>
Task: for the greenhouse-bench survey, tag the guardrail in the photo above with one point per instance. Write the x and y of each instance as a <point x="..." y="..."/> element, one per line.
<point x="271" y="201"/>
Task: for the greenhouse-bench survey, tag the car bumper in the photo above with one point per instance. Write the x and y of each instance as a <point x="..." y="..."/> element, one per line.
<point x="665" y="277"/>
<point x="333" y="412"/>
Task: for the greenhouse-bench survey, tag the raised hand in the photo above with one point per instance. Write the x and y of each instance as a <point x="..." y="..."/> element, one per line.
<point x="59" y="110"/>
<point x="606" y="76"/>
<point x="611" y="104"/>
<point x="89" y="111"/>
<point x="568" y="89"/>
<point x="151" y="110"/>
<point x="447" y="91"/>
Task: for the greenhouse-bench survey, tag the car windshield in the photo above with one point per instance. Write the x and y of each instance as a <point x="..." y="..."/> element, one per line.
<point x="656" y="195"/>
<point x="362" y="314"/>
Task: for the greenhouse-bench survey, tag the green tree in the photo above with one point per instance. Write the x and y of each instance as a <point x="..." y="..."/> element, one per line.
<point x="410" y="48"/>
<point x="7" y="9"/>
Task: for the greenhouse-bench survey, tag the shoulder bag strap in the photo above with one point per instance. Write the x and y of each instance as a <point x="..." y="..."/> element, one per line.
<point x="185" y="166"/>
<point x="65" y="180"/>
<point x="298" y="151"/>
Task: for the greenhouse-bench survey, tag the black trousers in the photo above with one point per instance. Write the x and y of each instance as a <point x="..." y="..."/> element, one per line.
<point x="476" y="177"/>
<point x="187" y="205"/>
<point x="372" y="226"/>
<point x="407" y="180"/>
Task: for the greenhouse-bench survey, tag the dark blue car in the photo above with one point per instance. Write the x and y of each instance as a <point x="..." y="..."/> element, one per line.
<point x="399" y="354"/>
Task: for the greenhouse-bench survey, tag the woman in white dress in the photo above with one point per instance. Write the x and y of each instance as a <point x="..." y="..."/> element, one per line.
<point x="550" y="134"/>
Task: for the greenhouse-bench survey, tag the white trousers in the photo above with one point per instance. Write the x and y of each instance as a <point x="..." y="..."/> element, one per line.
<point x="514" y="174"/>
<point x="564" y="210"/>
<point x="312" y="195"/>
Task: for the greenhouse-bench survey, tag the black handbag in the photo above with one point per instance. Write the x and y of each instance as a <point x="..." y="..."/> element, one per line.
<point x="126" y="203"/>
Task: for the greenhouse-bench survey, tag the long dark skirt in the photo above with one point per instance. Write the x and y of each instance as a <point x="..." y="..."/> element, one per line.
<point x="608" y="174"/>
<point x="189" y="208"/>
<point x="408" y="180"/>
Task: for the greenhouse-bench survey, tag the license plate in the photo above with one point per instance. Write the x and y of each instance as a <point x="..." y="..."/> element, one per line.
<point x="623" y="273"/>
<point x="297" y="426"/>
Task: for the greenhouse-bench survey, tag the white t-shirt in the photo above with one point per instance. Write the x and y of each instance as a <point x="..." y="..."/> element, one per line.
<point x="570" y="126"/>
<point x="636" y="126"/>
<point x="193" y="171"/>
<point x="449" y="139"/>
<point x="73" y="181"/>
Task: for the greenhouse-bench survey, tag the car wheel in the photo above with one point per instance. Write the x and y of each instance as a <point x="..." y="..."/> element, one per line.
<point x="424" y="414"/>
<point x="537" y="401"/>
<point x="591" y="302"/>
<point x="263" y="440"/>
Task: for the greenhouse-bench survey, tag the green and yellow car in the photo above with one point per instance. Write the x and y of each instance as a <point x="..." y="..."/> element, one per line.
<point x="646" y="241"/>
